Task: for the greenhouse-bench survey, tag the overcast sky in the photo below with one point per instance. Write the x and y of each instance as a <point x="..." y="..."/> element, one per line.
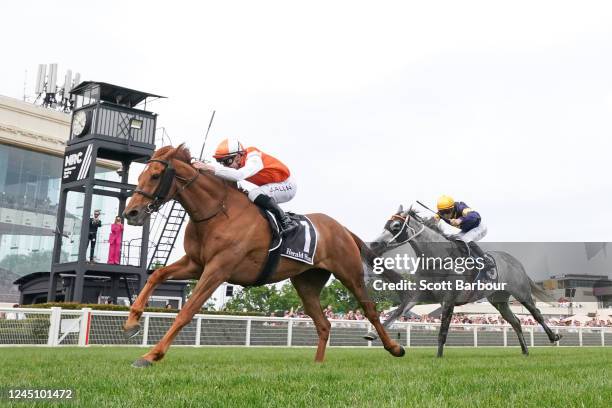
<point x="507" y="107"/>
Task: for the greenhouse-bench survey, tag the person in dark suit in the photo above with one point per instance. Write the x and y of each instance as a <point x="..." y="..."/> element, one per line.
<point x="94" y="224"/>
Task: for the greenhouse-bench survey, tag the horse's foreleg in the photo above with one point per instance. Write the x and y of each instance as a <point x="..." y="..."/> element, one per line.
<point x="184" y="268"/>
<point x="447" y="314"/>
<point x="202" y="291"/>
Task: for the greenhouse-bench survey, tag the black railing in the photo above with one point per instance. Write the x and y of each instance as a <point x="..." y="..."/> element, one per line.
<point x="130" y="251"/>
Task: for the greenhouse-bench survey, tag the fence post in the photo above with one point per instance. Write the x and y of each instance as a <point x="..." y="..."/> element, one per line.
<point x="289" y="333"/>
<point x="603" y="337"/>
<point x="408" y="326"/>
<point x="505" y="336"/>
<point x="557" y="343"/>
<point x="84" y="328"/>
<point x="247" y="341"/>
<point x="369" y="330"/>
<point x="475" y="336"/>
<point x="145" y="330"/>
<point x="198" y="331"/>
<point x="54" y="325"/>
<point x="580" y="336"/>
<point x="531" y="335"/>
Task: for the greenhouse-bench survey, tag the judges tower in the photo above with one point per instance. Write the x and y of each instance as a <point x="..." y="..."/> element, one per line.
<point x="108" y="122"/>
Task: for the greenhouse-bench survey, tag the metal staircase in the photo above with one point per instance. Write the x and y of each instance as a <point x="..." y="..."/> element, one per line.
<point x="167" y="238"/>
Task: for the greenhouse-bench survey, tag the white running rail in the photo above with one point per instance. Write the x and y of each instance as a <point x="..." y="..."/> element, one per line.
<point x="85" y="327"/>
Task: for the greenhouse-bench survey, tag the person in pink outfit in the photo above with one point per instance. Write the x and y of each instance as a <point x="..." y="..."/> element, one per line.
<point x="114" y="251"/>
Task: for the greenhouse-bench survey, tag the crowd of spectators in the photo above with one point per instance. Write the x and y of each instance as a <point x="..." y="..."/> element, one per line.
<point x="498" y="320"/>
<point x="457" y="319"/>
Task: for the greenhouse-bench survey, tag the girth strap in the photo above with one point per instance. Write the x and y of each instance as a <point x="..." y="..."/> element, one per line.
<point x="273" y="257"/>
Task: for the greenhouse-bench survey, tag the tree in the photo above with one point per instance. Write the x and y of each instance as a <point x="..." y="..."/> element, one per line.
<point x="339" y="297"/>
<point x="268" y="299"/>
<point x="251" y="299"/>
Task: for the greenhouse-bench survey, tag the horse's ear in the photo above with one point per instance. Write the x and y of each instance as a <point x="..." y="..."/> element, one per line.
<point x="400" y="209"/>
<point x="409" y="211"/>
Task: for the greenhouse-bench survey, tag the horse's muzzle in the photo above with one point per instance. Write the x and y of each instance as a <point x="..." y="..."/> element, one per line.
<point x="135" y="216"/>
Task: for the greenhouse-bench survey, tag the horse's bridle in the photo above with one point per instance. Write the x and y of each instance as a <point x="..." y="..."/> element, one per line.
<point x="405" y="225"/>
<point x="160" y="195"/>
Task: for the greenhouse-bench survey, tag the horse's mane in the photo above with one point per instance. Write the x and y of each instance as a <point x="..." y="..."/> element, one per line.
<point x="181" y="152"/>
<point x="412" y="213"/>
<point x="427" y="222"/>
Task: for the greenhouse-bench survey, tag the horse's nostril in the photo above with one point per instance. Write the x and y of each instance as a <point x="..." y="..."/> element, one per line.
<point x="132" y="214"/>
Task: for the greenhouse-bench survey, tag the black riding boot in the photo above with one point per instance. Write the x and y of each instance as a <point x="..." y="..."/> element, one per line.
<point x="286" y="224"/>
<point x="477" y="252"/>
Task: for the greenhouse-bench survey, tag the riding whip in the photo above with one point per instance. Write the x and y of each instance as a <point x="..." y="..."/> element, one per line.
<point x="427" y="208"/>
<point x="206" y="136"/>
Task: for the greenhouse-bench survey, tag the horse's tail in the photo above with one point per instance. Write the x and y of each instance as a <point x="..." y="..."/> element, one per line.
<point x="540" y="293"/>
<point x="535" y="290"/>
<point x="368" y="256"/>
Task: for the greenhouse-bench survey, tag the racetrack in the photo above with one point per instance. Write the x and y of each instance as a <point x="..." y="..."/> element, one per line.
<point x="487" y="377"/>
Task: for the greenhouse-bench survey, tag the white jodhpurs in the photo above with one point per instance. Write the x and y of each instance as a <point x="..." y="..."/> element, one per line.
<point x="475" y="234"/>
<point x="280" y="192"/>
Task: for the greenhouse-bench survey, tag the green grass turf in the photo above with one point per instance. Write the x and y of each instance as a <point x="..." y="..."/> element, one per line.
<point x="281" y="377"/>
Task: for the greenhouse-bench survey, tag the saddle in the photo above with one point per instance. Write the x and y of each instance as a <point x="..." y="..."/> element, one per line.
<point x="299" y="245"/>
<point x="485" y="274"/>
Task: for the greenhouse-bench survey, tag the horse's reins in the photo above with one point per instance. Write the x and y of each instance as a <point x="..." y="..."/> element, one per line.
<point x="219" y="210"/>
<point x="406" y="225"/>
<point x="159" y="196"/>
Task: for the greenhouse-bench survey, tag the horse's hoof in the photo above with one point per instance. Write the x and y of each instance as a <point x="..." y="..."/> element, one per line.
<point x="557" y="338"/>
<point x="142" y="363"/>
<point x="132" y="331"/>
<point x="397" y="351"/>
<point x="370" y="336"/>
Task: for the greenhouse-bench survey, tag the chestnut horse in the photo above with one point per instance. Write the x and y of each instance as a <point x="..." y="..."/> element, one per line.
<point x="227" y="240"/>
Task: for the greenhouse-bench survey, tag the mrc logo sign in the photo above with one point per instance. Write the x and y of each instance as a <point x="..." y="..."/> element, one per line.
<point x="77" y="164"/>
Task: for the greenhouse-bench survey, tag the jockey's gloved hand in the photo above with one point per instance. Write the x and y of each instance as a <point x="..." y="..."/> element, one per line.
<point x="455" y="222"/>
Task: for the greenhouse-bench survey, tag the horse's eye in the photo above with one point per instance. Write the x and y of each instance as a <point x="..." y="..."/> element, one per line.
<point x="395" y="226"/>
<point x="155" y="176"/>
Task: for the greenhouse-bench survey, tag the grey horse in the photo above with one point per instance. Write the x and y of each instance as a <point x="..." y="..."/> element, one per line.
<point x="427" y="240"/>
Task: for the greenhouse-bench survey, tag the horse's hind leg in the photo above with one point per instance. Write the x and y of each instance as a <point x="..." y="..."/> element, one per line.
<point x="356" y="286"/>
<point x="399" y="311"/>
<point x="504" y="308"/>
<point x="309" y="285"/>
<point x="535" y="312"/>
<point x="447" y="314"/>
